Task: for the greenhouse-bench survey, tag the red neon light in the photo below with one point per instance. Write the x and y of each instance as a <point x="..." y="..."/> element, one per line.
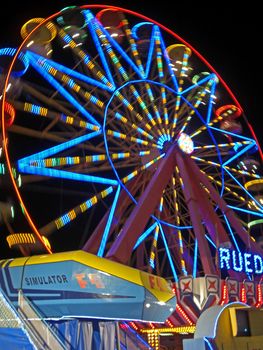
<point x="259" y="296"/>
<point x="243" y="296"/>
<point x="181" y="311"/>
<point x="224" y="294"/>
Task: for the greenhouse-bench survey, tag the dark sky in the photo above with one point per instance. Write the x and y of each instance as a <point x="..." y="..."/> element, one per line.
<point x="226" y="33"/>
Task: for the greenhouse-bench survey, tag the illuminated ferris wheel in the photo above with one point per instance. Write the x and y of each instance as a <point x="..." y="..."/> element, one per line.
<point x="128" y="145"/>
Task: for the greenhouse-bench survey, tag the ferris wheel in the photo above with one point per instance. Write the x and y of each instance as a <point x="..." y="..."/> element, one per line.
<point x="128" y="145"/>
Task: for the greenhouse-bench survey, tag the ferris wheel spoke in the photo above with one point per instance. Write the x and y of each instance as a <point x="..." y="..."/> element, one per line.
<point x="46" y="71"/>
<point x="246" y="192"/>
<point x="154" y="248"/>
<point x="106" y="44"/>
<point x="129" y="35"/>
<point x="179" y="241"/>
<point x="232" y="234"/>
<point x="150" y="96"/>
<point x="157" y="59"/>
<point x="44" y="112"/>
<point x="178" y="220"/>
<point x="108" y="224"/>
<point x="144" y="235"/>
<point x="103" y="84"/>
<point x="169" y="256"/>
<point x="75" y="212"/>
<point x="59" y="148"/>
<point x="125" y="121"/>
<point x="134" y="112"/>
<point x="36" y="164"/>
<point x="231" y="169"/>
<point x="91" y="65"/>
<point x="139" y="141"/>
<point x="200" y="95"/>
<point x="135" y="172"/>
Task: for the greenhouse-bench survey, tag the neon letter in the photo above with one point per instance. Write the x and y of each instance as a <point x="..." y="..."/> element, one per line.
<point x="247" y="256"/>
<point x="237" y="266"/>
<point x="258" y="264"/>
<point x="224" y="257"/>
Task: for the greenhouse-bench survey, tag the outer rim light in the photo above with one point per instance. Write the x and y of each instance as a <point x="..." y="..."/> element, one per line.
<point x="185" y="143"/>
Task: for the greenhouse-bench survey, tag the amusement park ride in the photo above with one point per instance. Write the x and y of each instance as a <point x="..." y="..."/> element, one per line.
<point x="121" y="141"/>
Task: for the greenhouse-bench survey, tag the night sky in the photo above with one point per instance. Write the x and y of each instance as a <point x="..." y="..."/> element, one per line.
<point x="227" y="36"/>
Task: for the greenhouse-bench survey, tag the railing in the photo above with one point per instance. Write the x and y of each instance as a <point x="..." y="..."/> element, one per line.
<point x="8" y="314"/>
<point x="39" y="330"/>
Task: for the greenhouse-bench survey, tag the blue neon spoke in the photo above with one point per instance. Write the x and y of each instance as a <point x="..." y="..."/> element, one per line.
<point x="256" y="213"/>
<point x="23" y="168"/>
<point x="210" y="104"/>
<point x="112" y="43"/>
<point x="42" y="70"/>
<point x="164" y="223"/>
<point x="144" y="235"/>
<point x="91" y="23"/>
<point x="232" y="134"/>
<point x="238" y="154"/>
<point x="209" y="77"/>
<point x="153" y="42"/>
<point x="244" y="189"/>
<point x="59" y="148"/>
<point x="210" y="241"/>
<point x="231" y="233"/>
<point x="195" y="258"/>
<point x="72" y="72"/>
<point x="109" y="222"/>
<point x="168" y="254"/>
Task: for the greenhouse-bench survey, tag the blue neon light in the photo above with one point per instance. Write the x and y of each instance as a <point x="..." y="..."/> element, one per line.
<point x="246" y="211"/>
<point x="58" y="148"/>
<point x="108" y="225"/>
<point x="91" y="24"/>
<point x="145" y="235"/>
<point x="238" y="261"/>
<point x="195" y="259"/>
<point x="114" y="44"/>
<point x="23" y="168"/>
<point x="232" y="233"/>
<point x="241" y="186"/>
<point x="209" y="109"/>
<point x="210" y="347"/>
<point x="43" y="71"/>
<point x="210" y="241"/>
<point x="202" y="81"/>
<point x="232" y="134"/>
<point x="238" y="154"/>
<point x="168" y="254"/>
<point x="156" y="34"/>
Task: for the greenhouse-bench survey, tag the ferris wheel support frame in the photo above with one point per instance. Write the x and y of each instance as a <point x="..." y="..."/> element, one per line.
<point x="123" y="246"/>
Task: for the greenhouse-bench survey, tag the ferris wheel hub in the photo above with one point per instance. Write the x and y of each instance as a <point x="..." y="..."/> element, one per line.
<point x="185" y="143"/>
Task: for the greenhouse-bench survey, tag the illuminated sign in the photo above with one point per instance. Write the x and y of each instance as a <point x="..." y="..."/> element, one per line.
<point x="240" y="262"/>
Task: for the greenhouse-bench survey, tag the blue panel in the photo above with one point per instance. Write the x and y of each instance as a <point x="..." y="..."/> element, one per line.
<point x="15" y="339"/>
